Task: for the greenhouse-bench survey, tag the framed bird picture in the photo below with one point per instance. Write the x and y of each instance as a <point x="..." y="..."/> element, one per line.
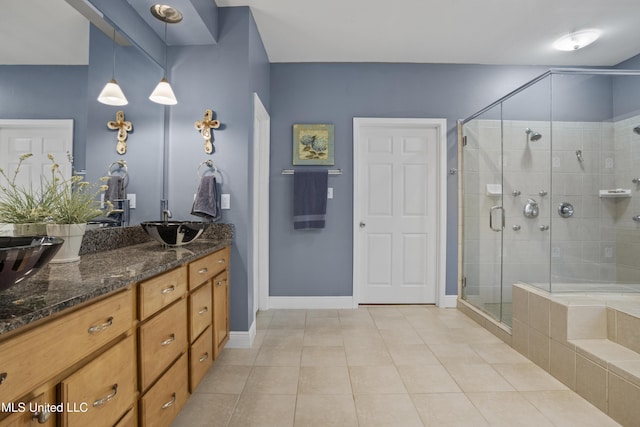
<point x="313" y="144"/>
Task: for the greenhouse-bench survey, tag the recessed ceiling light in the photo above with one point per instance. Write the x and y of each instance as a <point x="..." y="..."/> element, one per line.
<point x="577" y="40"/>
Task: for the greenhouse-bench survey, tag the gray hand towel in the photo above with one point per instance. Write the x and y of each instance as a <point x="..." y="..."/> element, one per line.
<point x="115" y="190"/>
<point x="207" y="203"/>
<point x="310" y="199"/>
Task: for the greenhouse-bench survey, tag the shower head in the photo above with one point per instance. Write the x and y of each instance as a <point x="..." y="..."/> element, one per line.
<point x="533" y="135"/>
<point x="637" y="130"/>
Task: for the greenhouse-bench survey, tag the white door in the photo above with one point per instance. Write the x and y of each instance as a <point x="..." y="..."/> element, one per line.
<point x="398" y="224"/>
<point x="260" y="246"/>
<point x="40" y="138"/>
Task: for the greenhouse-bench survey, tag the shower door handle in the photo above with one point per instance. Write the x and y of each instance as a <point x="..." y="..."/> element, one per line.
<point x="493" y="209"/>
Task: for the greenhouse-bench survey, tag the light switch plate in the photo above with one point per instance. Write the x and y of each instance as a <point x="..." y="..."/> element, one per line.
<point x="330" y="193"/>
<point x="225" y="201"/>
<point x="132" y="200"/>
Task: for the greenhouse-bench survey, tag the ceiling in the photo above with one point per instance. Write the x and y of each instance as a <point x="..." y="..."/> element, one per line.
<point x="517" y="32"/>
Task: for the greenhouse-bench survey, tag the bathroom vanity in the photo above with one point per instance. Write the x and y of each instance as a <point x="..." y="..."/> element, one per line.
<point x="120" y="338"/>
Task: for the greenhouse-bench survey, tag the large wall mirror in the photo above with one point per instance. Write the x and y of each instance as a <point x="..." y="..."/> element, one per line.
<point x="53" y="64"/>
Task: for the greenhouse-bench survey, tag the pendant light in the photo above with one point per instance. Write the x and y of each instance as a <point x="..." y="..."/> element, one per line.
<point x="163" y="94"/>
<point x="111" y="94"/>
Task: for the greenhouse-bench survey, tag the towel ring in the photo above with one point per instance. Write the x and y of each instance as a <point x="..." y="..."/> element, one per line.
<point x="210" y="165"/>
<point x="121" y="165"/>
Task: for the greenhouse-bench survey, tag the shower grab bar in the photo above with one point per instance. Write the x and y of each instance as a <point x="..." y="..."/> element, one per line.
<point x="495" y="208"/>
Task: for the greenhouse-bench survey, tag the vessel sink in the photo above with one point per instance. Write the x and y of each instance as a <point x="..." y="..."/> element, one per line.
<point x="21" y="257"/>
<point x="174" y="233"/>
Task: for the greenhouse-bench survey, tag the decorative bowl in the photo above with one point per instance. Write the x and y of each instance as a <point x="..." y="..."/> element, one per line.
<point x="22" y="257"/>
<point x="174" y="233"/>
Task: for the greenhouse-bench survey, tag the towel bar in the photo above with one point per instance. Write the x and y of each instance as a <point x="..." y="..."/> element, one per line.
<point x="331" y="171"/>
<point x="209" y="163"/>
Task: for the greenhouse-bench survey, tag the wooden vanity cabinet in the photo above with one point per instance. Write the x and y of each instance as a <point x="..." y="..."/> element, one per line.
<point x="69" y="350"/>
<point x="127" y="359"/>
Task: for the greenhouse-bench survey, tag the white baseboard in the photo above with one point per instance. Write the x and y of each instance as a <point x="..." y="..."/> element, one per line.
<point x="450" y="301"/>
<point x="311" y="302"/>
<point x="242" y="339"/>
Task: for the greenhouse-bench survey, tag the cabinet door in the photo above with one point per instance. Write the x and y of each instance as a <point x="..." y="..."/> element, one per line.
<point x="99" y="393"/>
<point x="220" y="312"/>
<point x="200" y="309"/>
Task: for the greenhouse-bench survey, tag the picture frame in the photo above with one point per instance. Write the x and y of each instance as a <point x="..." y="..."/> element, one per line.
<point x="313" y="144"/>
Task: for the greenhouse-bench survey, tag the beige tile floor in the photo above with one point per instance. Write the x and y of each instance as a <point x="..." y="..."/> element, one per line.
<point x="380" y="366"/>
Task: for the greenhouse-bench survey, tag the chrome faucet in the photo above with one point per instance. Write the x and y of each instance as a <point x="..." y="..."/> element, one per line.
<point x="166" y="213"/>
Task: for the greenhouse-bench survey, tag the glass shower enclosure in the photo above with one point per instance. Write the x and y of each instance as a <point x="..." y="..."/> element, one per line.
<point x="550" y="189"/>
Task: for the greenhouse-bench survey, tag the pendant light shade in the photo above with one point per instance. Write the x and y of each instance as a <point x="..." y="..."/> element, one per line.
<point x="112" y="94"/>
<point x="163" y="94"/>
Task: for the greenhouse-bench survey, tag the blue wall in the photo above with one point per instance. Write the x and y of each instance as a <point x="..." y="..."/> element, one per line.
<point x="335" y="93"/>
<point x="47" y="92"/>
<point x="220" y="77"/>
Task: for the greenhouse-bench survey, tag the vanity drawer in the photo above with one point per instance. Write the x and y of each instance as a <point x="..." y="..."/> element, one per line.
<point x="200" y="309"/>
<point x="162" y="339"/>
<point x="200" y="358"/>
<point x="161" y="291"/>
<point x="206" y="267"/>
<point x="161" y="404"/>
<point x="98" y="394"/>
<point x="34" y="412"/>
<point x="61" y="343"/>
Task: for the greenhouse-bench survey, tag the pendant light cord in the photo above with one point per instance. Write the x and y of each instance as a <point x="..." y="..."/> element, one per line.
<point x="165" y="49"/>
<point x="113" y="51"/>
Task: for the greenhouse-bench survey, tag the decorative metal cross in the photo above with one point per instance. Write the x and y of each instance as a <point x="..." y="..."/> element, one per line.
<point x="204" y="126"/>
<point x="123" y="129"/>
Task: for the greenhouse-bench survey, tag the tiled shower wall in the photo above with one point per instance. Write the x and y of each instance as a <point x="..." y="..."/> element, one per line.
<point x="599" y="243"/>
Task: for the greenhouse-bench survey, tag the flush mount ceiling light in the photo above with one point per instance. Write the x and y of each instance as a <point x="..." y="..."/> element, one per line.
<point x="577" y="40"/>
<point x="111" y="94"/>
<point x="163" y="94"/>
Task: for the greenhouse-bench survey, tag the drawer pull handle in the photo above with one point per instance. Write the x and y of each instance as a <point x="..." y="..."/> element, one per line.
<point x="204" y="357"/>
<point x="169" y="340"/>
<point x="41" y="417"/>
<point x="203" y="311"/>
<point x="3" y="377"/>
<point x="167" y="290"/>
<point x="221" y="261"/>
<point x="171" y="402"/>
<point x="107" y="398"/>
<point x="203" y="270"/>
<point x="99" y="328"/>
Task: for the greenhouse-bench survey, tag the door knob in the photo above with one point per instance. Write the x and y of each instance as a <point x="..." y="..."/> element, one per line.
<point x="362" y="224"/>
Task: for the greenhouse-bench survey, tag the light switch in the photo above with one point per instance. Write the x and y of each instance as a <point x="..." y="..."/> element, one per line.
<point x="132" y="200"/>
<point x="225" y="201"/>
<point x="330" y="193"/>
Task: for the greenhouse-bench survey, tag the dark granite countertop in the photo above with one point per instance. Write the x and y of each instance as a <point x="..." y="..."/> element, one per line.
<point x="61" y="286"/>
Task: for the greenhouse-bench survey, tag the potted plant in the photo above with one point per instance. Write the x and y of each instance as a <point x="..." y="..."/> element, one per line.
<point x="74" y="204"/>
<point x="27" y="209"/>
